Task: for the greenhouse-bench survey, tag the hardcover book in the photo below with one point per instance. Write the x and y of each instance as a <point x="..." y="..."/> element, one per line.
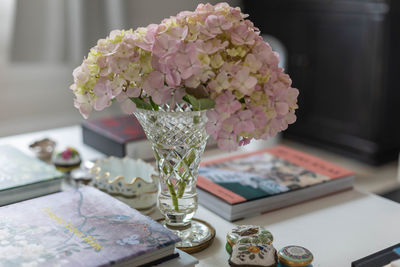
<point x="82" y="227"/>
<point x="252" y="183"/>
<point x="117" y="136"/>
<point x="23" y="177"/>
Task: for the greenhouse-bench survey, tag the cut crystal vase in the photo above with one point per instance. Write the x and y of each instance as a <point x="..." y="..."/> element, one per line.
<point x="178" y="140"/>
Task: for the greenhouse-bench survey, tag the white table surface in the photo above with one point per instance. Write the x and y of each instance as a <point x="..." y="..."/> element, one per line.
<point x="338" y="229"/>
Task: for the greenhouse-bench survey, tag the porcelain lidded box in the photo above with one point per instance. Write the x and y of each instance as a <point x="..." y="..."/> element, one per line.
<point x="134" y="182"/>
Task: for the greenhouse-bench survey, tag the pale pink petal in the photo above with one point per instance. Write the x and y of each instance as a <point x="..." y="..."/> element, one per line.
<point x="156" y="79"/>
<point x="101" y="102"/>
<point x="212" y="115"/>
<point x="133" y="92"/>
<point x="173" y="78"/>
<point x="250" y="82"/>
<point x="121" y="97"/>
<point x="292" y="95"/>
<point x="244" y="126"/>
<point x="128" y="106"/>
<point x="290" y="118"/>
<point x="227" y="141"/>
<point x="282" y="108"/>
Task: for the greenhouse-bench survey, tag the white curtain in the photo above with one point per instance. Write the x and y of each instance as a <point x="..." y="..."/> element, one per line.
<point x="62" y="31"/>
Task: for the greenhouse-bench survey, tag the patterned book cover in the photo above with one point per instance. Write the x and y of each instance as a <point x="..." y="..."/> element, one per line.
<point x="83" y="227"/>
<point x="19" y="169"/>
<point x="264" y="173"/>
<point x="121" y="129"/>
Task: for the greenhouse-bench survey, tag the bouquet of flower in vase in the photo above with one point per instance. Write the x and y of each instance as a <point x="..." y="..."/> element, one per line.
<point x="198" y="73"/>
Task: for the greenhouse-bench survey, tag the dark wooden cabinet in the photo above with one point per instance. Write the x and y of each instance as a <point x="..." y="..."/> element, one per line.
<point x="344" y="58"/>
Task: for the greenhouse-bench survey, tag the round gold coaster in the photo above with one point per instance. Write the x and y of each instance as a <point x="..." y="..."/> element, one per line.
<point x="195" y="238"/>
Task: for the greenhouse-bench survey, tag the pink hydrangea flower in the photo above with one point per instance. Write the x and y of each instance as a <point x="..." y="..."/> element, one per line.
<point x="259" y="118"/>
<point x="211" y="46"/>
<point x="241" y="35"/>
<point x="186" y="60"/>
<point x="217" y="24"/>
<point x="227" y="103"/>
<point x="103" y="93"/>
<point x="227" y="141"/>
<point x="83" y="103"/>
<point x="81" y="74"/>
<point x="154" y="86"/>
<point x="127" y="105"/>
<point x="165" y="45"/>
<point x="243" y="82"/>
<point x="220" y="83"/>
<point x="147" y="41"/>
<point x="214" y="123"/>
<point x="245" y="124"/>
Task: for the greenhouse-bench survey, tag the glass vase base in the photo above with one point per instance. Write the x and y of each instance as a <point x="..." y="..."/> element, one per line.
<point x="196" y="237"/>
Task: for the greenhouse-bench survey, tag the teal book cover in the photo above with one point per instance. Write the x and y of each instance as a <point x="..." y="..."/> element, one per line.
<point x="81" y="227"/>
<point x="18" y="169"/>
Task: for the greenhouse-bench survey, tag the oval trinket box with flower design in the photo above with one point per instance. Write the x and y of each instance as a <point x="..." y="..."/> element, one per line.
<point x="134" y="182"/>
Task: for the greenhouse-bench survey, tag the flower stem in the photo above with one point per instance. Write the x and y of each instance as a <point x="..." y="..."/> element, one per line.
<point x="173" y="196"/>
<point x="181" y="188"/>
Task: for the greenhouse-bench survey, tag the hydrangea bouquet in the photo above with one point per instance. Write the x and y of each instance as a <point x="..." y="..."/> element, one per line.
<point x="207" y="71"/>
<point x="212" y="58"/>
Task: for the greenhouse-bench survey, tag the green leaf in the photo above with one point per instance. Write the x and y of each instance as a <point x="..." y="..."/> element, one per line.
<point x="154" y="105"/>
<point x="206" y="103"/>
<point x="199" y="104"/>
<point x="252" y="257"/>
<point x="192" y="101"/>
<point x="140" y="103"/>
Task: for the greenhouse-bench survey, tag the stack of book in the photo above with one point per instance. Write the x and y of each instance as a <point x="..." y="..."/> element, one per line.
<point x="252" y="183"/>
